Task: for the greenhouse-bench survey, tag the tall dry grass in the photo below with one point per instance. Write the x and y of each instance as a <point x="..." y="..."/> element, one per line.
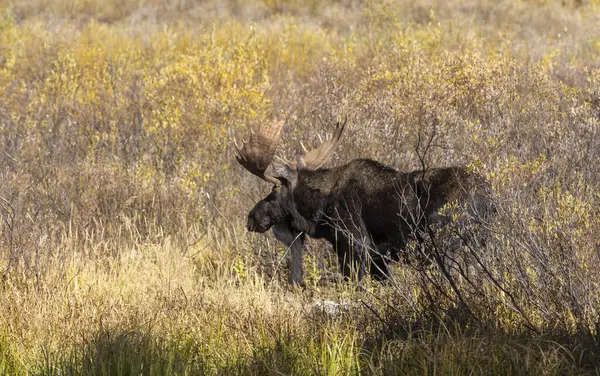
<point x="123" y="248"/>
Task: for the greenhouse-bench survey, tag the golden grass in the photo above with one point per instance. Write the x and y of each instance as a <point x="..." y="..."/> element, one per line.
<point x="123" y="247"/>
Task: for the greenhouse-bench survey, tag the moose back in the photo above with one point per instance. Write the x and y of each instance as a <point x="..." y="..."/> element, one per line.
<point x="366" y="210"/>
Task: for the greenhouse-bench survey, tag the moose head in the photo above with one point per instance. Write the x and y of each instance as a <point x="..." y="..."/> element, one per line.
<point x="256" y="156"/>
<point x="278" y="211"/>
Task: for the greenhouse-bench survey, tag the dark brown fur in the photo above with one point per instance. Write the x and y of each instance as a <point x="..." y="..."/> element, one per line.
<point x="366" y="210"/>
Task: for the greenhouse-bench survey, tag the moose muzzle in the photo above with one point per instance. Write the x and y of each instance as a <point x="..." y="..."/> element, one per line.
<point x="258" y="224"/>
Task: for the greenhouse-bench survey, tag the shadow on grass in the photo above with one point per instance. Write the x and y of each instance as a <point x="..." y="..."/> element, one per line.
<point x="109" y="352"/>
<point x="457" y="346"/>
<point x="114" y="352"/>
<point x="434" y="348"/>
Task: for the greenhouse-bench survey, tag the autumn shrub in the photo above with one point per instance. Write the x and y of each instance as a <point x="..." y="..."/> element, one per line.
<point x="121" y="202"/>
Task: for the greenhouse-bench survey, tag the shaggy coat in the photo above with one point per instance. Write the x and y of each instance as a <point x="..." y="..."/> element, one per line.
<point x="366" y="210"/>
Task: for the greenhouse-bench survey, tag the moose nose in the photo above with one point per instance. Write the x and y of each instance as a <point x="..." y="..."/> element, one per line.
<point x="251" y="224"/>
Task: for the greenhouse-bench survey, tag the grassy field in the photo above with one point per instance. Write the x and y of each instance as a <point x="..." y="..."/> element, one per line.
<point x="123" y="247"/>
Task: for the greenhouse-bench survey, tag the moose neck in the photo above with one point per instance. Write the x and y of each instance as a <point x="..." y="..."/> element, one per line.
<point x="311" y="194"/>
<point x="318" y="182"/>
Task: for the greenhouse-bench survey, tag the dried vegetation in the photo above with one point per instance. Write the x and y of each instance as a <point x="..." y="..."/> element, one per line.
<point x="122" y="210"/>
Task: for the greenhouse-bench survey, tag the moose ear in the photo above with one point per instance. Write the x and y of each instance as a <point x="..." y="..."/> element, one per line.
<point x="285" y="173"/>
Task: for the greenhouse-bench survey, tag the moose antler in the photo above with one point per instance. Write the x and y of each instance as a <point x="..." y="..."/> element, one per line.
<point x="256" y="154"/>
<point x="317" y="157"/>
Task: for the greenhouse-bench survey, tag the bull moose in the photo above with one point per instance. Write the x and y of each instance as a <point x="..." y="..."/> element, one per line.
<point x="366" y="210"/>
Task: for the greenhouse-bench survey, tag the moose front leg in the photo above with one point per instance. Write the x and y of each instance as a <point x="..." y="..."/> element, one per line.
<point x="295" y="242"/>
<point x="379" y="261"/>
<point x="350" y="239"/>
<point x="352" y="253"/>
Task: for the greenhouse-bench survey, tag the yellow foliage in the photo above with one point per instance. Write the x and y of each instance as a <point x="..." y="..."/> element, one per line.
<point x="116" y="127"/>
